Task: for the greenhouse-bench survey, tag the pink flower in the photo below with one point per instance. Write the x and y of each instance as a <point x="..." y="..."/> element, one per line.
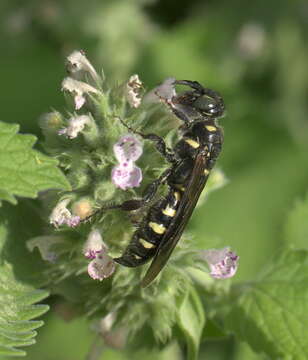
<point x="101" y="267"/>
<point x="126" y="175"/>
<point x="223" y="263"/>
<point x="128" y="148"/>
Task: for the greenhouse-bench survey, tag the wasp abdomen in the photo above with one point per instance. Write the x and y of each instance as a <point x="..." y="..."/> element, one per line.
<point x="146" y="239"/>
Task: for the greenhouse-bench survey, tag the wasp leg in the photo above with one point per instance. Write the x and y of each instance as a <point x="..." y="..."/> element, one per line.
<point x="193" y="84"/>
<point x="159" y="142"/>
<point x="135" y="204"/>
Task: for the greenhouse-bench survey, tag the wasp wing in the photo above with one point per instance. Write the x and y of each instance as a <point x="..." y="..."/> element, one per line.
<point x="175" y="230"/>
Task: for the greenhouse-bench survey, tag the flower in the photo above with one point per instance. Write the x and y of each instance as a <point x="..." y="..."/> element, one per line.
<point x="133" y="91"/>
<point x="128" y="148"/>
<point x="223" y="263"/>
<point x="126" y="175"/>
<point x="44" y="244"/>
<point x="78" y="89"/>
<point x="77" y="61"/>
<point x="101" y="267"/>
<point x="94" y="245"/>
<point x="75" y="125"/>
<point x="61" y="215"/>
<point x="164" y="91"/>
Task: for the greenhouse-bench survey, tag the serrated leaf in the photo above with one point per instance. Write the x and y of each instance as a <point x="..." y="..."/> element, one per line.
<point x="17" y="310"/>
<point x="24" y="171"/>
<point x="271" y="314"/>
<point x="296" y="228"/>
<point x="191" y="320"/>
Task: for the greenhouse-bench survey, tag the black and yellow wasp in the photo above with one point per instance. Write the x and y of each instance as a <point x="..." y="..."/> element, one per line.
<point x="191" y="161"/>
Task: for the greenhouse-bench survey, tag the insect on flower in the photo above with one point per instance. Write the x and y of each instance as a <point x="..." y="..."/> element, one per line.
<point x="191" y="161"/>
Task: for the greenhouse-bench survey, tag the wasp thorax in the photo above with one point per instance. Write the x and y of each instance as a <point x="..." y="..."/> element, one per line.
<point x="207" y="105"/>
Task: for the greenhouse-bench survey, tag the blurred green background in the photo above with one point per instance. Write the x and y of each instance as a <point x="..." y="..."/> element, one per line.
<point x="254" y="53"/>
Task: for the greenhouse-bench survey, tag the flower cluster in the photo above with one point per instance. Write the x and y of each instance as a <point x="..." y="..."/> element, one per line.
<point x="83" y="142"/>
<point x="99" y="156"/>
<point x="126" y="174"/>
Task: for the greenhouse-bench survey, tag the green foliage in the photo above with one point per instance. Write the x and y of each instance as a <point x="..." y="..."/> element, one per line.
<point x="24" y="171"/>
<point x="271" y="313"/>
<point x="17" y="311"/>
<point x="296" y="227"/>
<point x="191" y="320"/>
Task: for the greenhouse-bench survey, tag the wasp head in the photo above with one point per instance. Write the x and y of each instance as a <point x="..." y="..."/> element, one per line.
<point x="199" y="103"/>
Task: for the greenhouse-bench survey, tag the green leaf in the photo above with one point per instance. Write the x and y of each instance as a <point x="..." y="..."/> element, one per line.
<point x="24" y="171"/>
<point x="296" y="228"/>
<point x="191" y="320"/>
<point x="17" y="311"/>
<point x="271" y="314"/>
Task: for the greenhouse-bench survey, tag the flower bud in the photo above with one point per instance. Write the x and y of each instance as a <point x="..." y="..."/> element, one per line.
<point x="83" y="208"/>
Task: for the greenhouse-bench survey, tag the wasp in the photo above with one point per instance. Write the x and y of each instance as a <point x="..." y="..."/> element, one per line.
<point x="191" y="161"/>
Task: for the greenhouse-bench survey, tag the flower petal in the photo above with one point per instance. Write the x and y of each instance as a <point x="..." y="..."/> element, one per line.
<point x="94" y="245"/>
<point x="165" y="91"/>
<point x="101" y="267"/>
<point x="77" y="61"/>
<point x="126" y="175"/>
<point x="223" y="263"/>
<point x="128" y="148"/>
<point x="78" y="89"/>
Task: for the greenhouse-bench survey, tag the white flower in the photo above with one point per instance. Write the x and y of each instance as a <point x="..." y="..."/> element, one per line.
<point x="164" y="91"/>
<point x="75" y="125"/>
<point x="44" y="244"/>
<point x="223" y="263"/>
<point x="94" y="245"/>
<point x="78" y="89"/>
<point x="60" y="215"/>
<point x="77" y="61"/>
<point x="133" y="91"/>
